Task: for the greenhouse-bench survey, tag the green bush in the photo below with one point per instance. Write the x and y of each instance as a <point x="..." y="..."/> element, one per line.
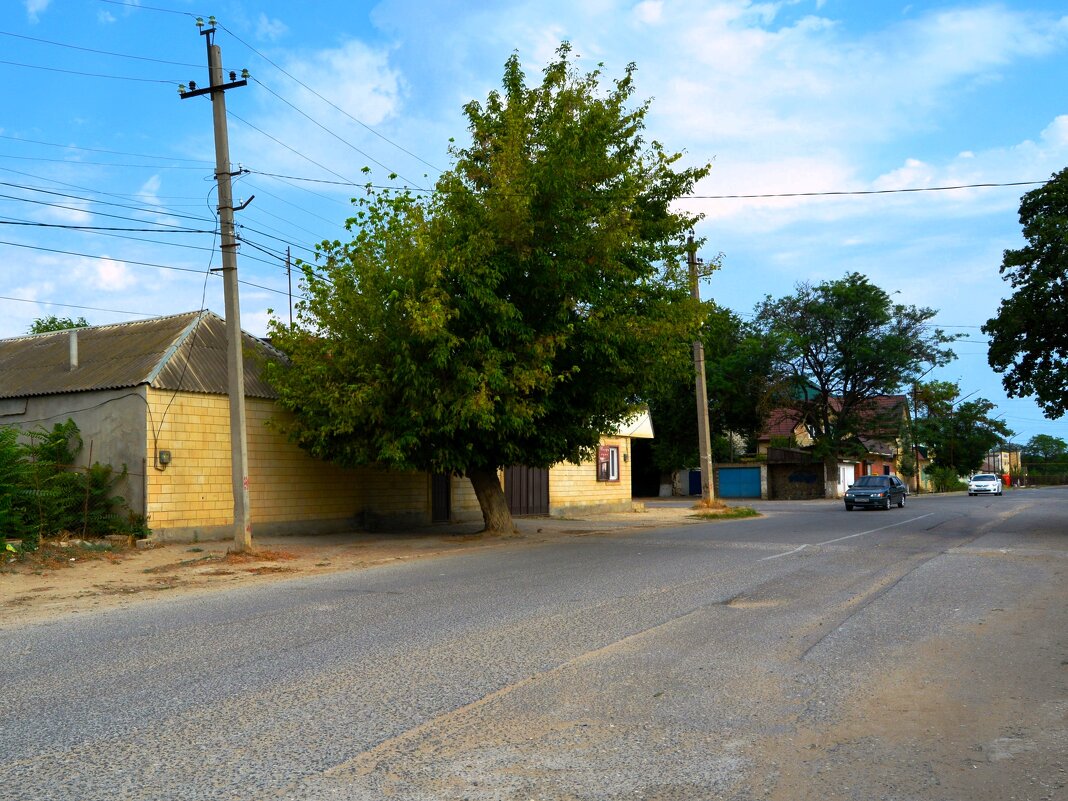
<point x="42" y="494"/>
<point x="945" y="479"/>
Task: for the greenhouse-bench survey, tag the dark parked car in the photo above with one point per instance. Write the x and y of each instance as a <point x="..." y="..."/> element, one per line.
<point x="875" y="492"/>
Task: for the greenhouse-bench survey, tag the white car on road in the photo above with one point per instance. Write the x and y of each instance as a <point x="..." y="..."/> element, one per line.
<point x="984" y="484"/>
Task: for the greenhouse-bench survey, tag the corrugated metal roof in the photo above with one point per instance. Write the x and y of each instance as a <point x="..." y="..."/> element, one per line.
<point x="179" y="352"/>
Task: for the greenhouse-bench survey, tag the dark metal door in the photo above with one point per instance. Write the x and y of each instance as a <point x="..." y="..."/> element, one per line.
<point x="441" y="498"/>
<point x="527" y="490"/>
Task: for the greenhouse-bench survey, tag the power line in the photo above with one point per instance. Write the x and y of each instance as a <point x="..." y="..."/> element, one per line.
<point x="131" y="261"/>
<point x="99" y="163"/>
<point x="99" y="52"/>
<point x="72" y="306"/>
<point x="142" y="7"/>
<point x="101" y="150"/>
<point x="863" y="191"/>
<point x="336" y="136"/>
<point x="143" y="209"/>
<point x="292" y="150"/>
<point x="89" y="74"/>
<point x="328" y="102"/>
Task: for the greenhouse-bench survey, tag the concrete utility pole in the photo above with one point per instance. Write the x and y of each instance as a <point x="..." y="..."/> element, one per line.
<point x="234" y="362"/>
<point x="704" y="442"/>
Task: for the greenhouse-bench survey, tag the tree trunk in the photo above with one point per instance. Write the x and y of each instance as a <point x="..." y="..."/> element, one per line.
<point x="495" y="513"/>
<point x="830" y="478"/>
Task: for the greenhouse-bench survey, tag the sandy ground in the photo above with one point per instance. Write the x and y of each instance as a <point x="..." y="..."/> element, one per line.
<point x="76" y="579"/>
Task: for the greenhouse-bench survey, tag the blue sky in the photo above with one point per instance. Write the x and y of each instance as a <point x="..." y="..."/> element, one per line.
<point x="784" y="97"/>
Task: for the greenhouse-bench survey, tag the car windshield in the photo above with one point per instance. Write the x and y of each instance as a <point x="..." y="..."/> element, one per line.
<point x="984" y="477"/>
<point x="871" y="481"/>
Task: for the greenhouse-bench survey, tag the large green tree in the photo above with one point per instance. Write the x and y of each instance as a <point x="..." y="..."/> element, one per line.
<point x="841" y="344"/>
<point x="514" y="314"/>
<point x="1029" y="335"/>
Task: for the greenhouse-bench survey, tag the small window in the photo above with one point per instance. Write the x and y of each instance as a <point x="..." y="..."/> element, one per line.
<point x="608" y="463"/>
<point x="886" y="469"/>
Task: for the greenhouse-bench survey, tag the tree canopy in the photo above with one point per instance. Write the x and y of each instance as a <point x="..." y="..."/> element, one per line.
<point x="840" y="345"/>
<point x="510" y="317"/>
<point x="959" y="433"/>
<point x="737" y="373"/>
<point x="1029" y="335"/>
<point x="43" y="325"/>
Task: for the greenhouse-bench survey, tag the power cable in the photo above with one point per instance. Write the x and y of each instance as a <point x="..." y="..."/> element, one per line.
<point x="90" y="74"/>
<point x="101" y="150"/>
<point x="292" y="150"/>
<point x="328" y="102"/>
<point x="339" y="138"/>
<point x="72" y="306"/>
<point x="143" y="209"/>
<point x="99" y="52"/>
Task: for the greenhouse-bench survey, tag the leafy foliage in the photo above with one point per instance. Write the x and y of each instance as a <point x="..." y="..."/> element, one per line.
<point x="1029" y="335"/>
<point x="737" y="374"/>
<point x="512" y="316"/>
<point x="1046" y="455"/>
<point x="842" y="344"/>
<point x="53" y="323"/>
<point x="959" y="433"/>
<point x="41" y="494"/>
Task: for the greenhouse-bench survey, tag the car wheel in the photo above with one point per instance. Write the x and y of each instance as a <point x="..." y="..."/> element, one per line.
<point x="849" y="507"/>
<point x="901" y="503"/>
<point x="886" y="505"/>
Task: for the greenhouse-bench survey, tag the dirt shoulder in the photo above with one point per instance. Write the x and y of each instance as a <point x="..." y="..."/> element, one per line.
<point x="74" y="578"/>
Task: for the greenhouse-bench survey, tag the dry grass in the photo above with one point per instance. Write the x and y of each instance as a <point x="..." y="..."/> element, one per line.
<point x="55" y="554"/>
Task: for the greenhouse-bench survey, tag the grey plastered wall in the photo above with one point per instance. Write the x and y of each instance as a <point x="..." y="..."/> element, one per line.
<point x="113" y="421"/>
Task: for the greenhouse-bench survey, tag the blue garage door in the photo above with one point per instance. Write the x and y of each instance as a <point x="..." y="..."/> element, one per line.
<point x="739" y="482"/>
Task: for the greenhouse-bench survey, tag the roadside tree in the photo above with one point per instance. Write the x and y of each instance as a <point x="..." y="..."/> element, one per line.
<point x="840" y="345"/>
<point x="510" y="317"/>
<point x="1029" y="335"/>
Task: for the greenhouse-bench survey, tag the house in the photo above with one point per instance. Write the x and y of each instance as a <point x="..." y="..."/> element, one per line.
<point x="793" y="472"/>
<point x="151" y="395"/>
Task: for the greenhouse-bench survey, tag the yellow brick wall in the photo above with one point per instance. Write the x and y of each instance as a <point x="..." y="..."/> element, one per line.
<point x="286" y="486"/>
<point x="572" y="487"/>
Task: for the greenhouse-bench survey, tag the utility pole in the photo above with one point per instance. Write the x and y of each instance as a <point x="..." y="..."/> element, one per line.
<point x="234" y="361"/>
<point x="704" y="444"/>
<point x="289" y="277"/>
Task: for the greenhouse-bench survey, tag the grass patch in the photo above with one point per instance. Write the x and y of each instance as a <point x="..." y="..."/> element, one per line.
<point x="729" y="513"/>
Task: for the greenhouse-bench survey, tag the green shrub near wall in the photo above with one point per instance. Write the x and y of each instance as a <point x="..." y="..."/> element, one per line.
<point x="43" y="494"/>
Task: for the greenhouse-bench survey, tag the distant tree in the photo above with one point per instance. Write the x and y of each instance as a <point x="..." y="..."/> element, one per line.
<point x="512" y="316"/>
<point x="1029" y="335"/>
<point x="43" y="325"/>
<point x="1046" y="454"/>
<point x="961" y="436"/>
<point x="841" y="344"/>
<point x="1046" y="447"/>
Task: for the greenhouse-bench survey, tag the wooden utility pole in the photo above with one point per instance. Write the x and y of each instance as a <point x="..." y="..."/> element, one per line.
<point x="235" y="368"/>
<point x="704" y="443"/>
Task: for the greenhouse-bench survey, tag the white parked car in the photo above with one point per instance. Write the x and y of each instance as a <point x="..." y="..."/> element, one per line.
<point x="984" y="484"/>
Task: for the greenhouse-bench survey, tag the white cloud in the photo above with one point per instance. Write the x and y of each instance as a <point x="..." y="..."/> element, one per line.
<point x="270" y="29"/>
<point x="649" y="11"/>
<point x="34" y="8"/>
<point x="113" y="276"/>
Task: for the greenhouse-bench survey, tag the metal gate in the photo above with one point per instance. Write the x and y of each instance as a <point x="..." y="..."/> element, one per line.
<point x="739" y="482"/>
<point x="527" y="490"/>
<point x="440" y="498"/>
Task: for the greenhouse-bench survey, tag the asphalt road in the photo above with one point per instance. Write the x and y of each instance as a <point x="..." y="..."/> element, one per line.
<point x="916" y="653"/>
